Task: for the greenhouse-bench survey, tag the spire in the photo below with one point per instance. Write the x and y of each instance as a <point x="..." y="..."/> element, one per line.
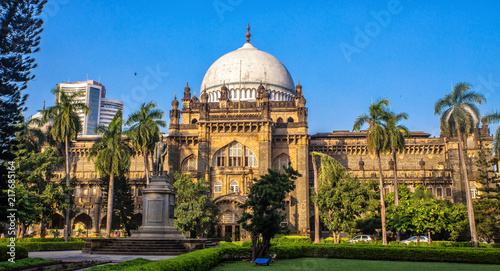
<point x="187" y="92"/>
<point x="248" y="33"/>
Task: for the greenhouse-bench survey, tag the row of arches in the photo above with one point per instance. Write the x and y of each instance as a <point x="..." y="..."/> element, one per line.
<point x="234" y="155"/>
<point x="249" y="94"/>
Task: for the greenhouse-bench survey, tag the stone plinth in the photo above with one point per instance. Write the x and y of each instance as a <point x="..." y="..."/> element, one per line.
<point x="158" y="211"/>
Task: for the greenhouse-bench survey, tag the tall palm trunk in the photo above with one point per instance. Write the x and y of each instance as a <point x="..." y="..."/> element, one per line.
<point x="146" y="166"/>
<point x="382" y="203"/>
<point x="316" y="208"/>
<point x="109" y="218"/>
<point x="468" y="196"/>
<point x="67" y="226"/>
<point x="396" y="193"/>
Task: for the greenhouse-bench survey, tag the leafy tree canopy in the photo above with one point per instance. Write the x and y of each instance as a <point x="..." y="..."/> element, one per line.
<point x="194" y="211"/>
<point x="264" y="208"/>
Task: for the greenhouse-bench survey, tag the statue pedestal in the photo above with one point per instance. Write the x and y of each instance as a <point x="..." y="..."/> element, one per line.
<point x="158" y="211"/>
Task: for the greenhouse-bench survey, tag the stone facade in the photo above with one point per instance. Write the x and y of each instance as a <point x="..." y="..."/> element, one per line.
<point x="230" y="143"/>
<point x="232" y="135"/>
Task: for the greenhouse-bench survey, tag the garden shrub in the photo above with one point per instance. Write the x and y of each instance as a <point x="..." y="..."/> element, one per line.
<point x="292" y="239"/>
<point x="23" y="262"/>
<point x="52" y="246"/>
<point x="390" y="253"/>
<point x="199" y="260"/>
<point x="20" y="251"/>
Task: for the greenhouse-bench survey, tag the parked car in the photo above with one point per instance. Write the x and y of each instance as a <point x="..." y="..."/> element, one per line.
<point x="362" y="237"/>
<point x="414" y="239"/>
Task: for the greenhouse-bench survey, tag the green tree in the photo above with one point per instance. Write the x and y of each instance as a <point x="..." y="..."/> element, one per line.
<point x="341" y="198"/>
<point x="396" y="133"/>
<point x="377" y="142"/>
<point x="194" y="211"/>
<point x="65" y="126"/>
<point x="420" y="213"/>
<point x="487" y="207"/>
<point x="111" y="156"/>
<point x="264" y="208"/>
<point x="494" y="118"/>
<point x="459" y="116"/>
<point x="20" y="29"/>
<point x="39" y="197"/>
<point x="145" y="130"/>
<point x="123" y="204"/>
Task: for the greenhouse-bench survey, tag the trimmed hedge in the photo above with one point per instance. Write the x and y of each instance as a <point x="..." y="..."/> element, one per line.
<point x="293" y="239"/>
<point x="390" y="253"/>
<point x="38" y="239"/>
<point x="199" y="260"/>
<point x="20" y="251"/>
<point x="52" y="246"/>
<point x="206" y="259"/>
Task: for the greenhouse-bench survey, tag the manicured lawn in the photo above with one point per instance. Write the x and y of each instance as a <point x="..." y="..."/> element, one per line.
<point x="319" y="264"/>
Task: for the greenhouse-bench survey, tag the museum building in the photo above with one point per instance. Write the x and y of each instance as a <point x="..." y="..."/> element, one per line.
<point x="249" y="117"/>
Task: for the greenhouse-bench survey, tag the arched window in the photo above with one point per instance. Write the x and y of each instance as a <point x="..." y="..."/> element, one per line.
<point x="447" y="191"/>
<point x="220" y="158"/>
<point x="194" y="121"/>
<point x="290" y="119"/>
<point x="279" y="120"/>
<point x="439" y="191"/>
<point x="234" y="187"/>
<point x="281" y="161"/>
<point x="250" y="158"/>
<point x="474" y="191"/>
<point x="233" y="156"/>
<point x="235" y="152"/>
<point x="189" y="164"/>
<point x="218" y="187"/>
<point x="229" y="217"/>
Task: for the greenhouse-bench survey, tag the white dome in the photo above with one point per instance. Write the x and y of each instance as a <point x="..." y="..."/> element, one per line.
<point x="255" y="66"/>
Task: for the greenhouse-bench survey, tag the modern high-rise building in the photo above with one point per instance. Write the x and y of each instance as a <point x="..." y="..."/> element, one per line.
<point x="102" y="109"/>
<point x="108" y="110"/>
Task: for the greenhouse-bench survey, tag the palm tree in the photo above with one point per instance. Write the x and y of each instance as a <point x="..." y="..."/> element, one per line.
<point x="459" y="116"/>
<point x="494" y="118"/>
<point x="111" y="156"/>
<point x="145" y="130"/>
<point x="65" y="126"/>
<point x="377" y="142"/>
<point x="396" y="134"/>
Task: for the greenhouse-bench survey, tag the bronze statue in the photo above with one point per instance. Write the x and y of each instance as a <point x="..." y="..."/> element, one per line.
<point x="160" y="151"/>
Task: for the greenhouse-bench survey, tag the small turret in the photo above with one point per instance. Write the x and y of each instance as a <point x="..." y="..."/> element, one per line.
<point x="175" y="103"/>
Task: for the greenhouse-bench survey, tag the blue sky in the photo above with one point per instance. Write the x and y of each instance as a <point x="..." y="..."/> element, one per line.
<point x="345" y="53"/>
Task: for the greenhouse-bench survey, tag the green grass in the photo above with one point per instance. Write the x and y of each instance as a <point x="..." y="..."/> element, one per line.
<point x="319" y="264"/>
<point x="123" y="265"/>
<point x="23" y="262"/>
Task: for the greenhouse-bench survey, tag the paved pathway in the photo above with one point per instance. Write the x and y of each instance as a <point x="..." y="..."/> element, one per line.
<point x="77" y="255"/>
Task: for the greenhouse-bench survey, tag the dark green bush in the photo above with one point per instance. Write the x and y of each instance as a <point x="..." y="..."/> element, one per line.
<point x="20" y="252"/>
<point x="236" y="253"/>
<point x="24" y="262"/>
<point x="52" y="246"/>
<point x="199" y="260"/>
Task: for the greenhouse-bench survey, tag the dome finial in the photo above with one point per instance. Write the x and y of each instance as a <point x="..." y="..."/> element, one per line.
<point x="248" y="33"/>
